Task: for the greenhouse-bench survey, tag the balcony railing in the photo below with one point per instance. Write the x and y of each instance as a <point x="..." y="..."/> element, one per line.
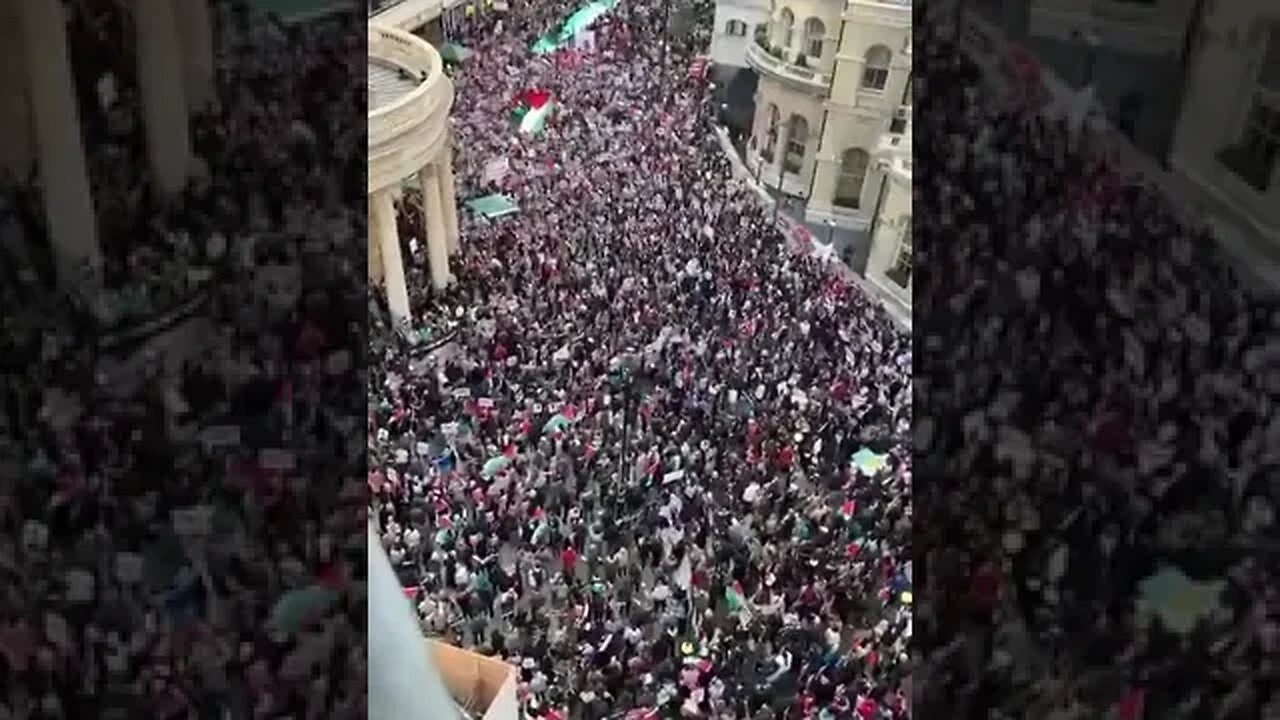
<point x="773" y="62"/>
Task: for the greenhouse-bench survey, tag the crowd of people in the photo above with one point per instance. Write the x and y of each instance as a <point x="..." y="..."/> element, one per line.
<point x="664" y="468"/>
<point x="161" y="505"/>
<point x="1104" y="415"/>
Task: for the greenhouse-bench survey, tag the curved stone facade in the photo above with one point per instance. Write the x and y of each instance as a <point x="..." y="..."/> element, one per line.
<point x="409" y="137"/>
<point x="408" y="132"/>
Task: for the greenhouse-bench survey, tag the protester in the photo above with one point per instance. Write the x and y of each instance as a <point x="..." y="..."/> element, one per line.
<point x="1105" y="423"/>
<point x="157" y="554"/>
<point x="631" y="472"/>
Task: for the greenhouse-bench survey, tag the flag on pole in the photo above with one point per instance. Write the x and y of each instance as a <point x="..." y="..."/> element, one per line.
<point x="733" y="596"/>
<point x="533" y="107"/>
<point x="534" y="120"/>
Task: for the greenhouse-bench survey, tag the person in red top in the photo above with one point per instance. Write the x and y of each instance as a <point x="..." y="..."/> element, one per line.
<point x="785" y="457"/>
<point x="1132" y="705"/>
<point x="569" y="559"/>
<point x="984" y="590"/>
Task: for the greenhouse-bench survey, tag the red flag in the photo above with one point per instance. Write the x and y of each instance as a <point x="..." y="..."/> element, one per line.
<point x="1133" y="705"/>
<point x="411" y="592"/>
<point x="332" y="575"/>
<point x="535" y="98"/>
<point x="848" y="508"/>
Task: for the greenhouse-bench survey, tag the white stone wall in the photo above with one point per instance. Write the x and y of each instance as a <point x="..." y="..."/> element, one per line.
<point x="731" y="50"/>
<point x="895" y="217"/>
<point x="860" y="117"/>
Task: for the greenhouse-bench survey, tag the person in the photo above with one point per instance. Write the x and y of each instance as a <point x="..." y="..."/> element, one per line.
<point x="630" y="465"/>
<point x="1105" y="419"/>
<point x="133" y="568"/>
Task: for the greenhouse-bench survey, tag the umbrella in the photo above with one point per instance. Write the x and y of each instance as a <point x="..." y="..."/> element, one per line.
<point x="454" y="53"/>
<point x="297" y="607"/>
<point x="868" y="462"/>
<point x="495" y="465"/>
<point x="556" y="424"/>
<point x="1177" y="600"/>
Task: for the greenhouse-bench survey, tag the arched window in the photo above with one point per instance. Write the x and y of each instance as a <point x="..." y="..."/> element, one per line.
<point x="814" y="35"/>
<point x="771" y="134"/>
<point x="900" y="271"/>
<point x="735" y="28"/>
<point x="797" y="139"/>
<point x="875" y="71"/>
<point x="786" y="28"/>
<point x="853" y="173"/>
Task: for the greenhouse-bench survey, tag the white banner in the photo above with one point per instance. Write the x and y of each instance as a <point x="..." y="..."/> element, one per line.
<point x="496" y="169"/>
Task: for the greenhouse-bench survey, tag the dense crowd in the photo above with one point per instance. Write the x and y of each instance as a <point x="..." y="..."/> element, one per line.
<point x="170" y="501"/>
<point x="1104" y="415"/>
<point x="632" y="473"/>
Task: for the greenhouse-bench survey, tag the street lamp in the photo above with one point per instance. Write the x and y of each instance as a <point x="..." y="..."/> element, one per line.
<point x="622" y="377"/>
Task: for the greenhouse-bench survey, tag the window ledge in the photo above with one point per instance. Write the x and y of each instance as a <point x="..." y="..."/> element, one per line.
<point x="1245" y="165"/>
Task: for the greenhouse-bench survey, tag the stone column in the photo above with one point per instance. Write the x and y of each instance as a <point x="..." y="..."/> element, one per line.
<point x="17" y="144"/>
<point x="386" y="235"/>
<point x="437" y="234"/>
<point x="161" y="74"/>
<point x="375" y="249"/>
<point x="196" y="32"/>
<point x="449" y="201"/>
<point x="68" y="203"/>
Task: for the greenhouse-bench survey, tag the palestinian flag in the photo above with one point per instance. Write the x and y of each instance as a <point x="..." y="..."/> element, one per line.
<point x="533" y="107"/>
<point x="733" y="596"/>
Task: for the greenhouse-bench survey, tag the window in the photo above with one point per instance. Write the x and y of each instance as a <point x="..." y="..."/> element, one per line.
<point x="1269" y="72"/>
<point x="875" y="71"/>
<point x="1260" y="145"/>
<point x="814" y="35"/>
<point x="898" y="124"/>
<point x="853" y="173"/>
<point x="900" y="273"/>
<point x="735" y="28"/>
<point x="797" y="139"/>
<point x="786" y="28"/>
<point x="771" y="136"/>
<point x="906" y="93"/>
<point x="1254" y="157"/>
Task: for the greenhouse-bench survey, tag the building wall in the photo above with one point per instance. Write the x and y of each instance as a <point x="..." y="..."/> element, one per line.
<point x="887" y="242"/>
<point x="843" y="115"/>
<point x="826" y="11"/>
<point x="790" y="102"/>
<point x="731" y="50"/>
<point x="1135" y="67"/>
<point x="858" y="117"/>
<point x="1222" y="90"/>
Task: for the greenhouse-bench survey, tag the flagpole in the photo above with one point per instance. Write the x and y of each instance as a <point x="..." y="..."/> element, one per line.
<point x="666" y="39"/>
